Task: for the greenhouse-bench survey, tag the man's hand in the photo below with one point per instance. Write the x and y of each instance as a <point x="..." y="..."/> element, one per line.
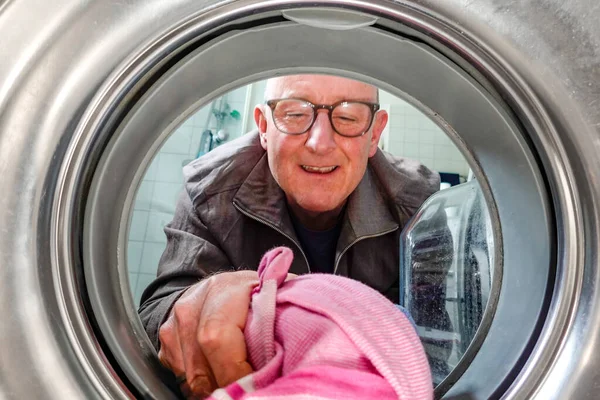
<point x="202" y="340"/>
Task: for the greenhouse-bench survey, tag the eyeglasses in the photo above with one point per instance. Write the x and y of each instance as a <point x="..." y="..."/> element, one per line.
<point x="348" y="118"/>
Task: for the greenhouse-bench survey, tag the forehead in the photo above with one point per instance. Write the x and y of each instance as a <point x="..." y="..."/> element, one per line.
<point x="320" y="88"/>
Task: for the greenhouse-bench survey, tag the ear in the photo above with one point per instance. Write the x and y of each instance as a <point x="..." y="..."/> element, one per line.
<point x="260" y="118"/>
<point x="381" y="120"/>
<point x="261" y="123"/>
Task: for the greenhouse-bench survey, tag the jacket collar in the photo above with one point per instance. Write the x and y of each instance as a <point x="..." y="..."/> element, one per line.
<point x="262" y="198"/>
<point x="367" y="211"/>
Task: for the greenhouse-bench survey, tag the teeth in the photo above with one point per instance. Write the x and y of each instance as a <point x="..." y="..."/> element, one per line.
<point x="321" y="170"/>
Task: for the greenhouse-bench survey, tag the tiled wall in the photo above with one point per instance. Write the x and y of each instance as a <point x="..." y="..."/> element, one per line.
<point x="411" y="134"/>
<point x="157" y="195"/>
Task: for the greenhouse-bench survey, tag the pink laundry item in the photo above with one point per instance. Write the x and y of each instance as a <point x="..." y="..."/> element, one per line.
<point x="322" y="336"/>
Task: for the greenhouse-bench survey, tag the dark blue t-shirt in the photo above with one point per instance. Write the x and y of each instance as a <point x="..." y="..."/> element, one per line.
<point x="319" y="246"/>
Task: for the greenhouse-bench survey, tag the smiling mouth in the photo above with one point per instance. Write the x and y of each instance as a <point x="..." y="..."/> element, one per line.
<point x="318" y="170"/>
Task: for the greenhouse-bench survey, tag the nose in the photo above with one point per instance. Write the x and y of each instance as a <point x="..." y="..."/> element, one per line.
<point x="321" y="136"/>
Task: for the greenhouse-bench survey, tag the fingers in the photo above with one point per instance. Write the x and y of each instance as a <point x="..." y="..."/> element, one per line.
<point x="170" y="347"/>
<point x="203" y="337"/>
<point x="228" y="358"/>
<point x="221" y="333"/>
<point x="198" y="373"/>
<point x="223" y="343"/>
<point x="221" y="329"/>
<point x="179" y="349"/>
<point x="187" y="392"/>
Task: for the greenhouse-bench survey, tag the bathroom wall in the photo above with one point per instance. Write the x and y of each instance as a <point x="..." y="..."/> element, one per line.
<point x="256" y="95"/>
<point x="154" y="205"/>
<point x="410" y="134"/>
<point x="413" y="135"/>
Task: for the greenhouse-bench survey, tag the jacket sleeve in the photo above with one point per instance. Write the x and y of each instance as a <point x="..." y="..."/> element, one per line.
<point x="191" y="254"/>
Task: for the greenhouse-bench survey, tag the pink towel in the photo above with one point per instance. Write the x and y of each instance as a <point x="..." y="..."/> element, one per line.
<point x="323" y="336"/>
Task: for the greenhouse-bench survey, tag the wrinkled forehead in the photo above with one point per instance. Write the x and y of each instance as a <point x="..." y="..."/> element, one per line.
<point x="323" y="89"/>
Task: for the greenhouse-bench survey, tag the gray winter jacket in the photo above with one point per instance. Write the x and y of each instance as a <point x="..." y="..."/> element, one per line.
<point x="232" y="211"/>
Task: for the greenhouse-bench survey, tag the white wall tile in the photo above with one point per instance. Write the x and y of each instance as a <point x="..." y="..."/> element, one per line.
<point x="150" y="257"/>
<point x="426" y="124"/>
<point x="165" y="196"/>
<point x="441" y="151"/>
<point x="386" y="97"/>
<point x="456" y="155"/>
<point x="429" y="137"/>
<point x="256" y="97"/>
<point x="411" y="110"/>
<point x="442" y="165"/>
<point x="156" y="223"/>
<point x="143" y="197"/>
<point x="200" y="117"/>
<point x="396" y="148"/>
<point x="150" y="173"/>
<point x="139" y="223"/>
<point x="428" y="162"/>
<point x="133" y="278"/>
<point x="411" y="150"/>
<point x="234" y="129"/>
<point x="398" y="109"/>
<point x="460" y="167"/>
<point x="426" y="151"/>
<point x="412" y="122"/>
<point x="179" y="141"/>
<point x="397" y="142"/>
<point x="397" y="121"/>
<point x="170" y="168"/>
<point x="188" y="123"/>
<point x="134" y="255"/>
<point x="237" y="96"/>
<point x="445" y="139"/>
<point x="411" y="136"/>
<point x="397" y="135"/>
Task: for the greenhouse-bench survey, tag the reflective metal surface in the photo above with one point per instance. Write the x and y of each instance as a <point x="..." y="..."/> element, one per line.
<point x="486" y="126"/>
<point x="74" y="73"/>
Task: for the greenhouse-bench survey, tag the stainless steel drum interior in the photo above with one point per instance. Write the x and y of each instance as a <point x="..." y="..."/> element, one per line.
<point x="102" y="90"/>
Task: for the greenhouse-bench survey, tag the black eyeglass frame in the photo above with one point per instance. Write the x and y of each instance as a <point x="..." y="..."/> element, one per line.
<point x="373" y="108"/>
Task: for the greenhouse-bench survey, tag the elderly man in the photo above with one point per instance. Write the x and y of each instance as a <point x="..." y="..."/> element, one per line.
<point x="312" y="179"/>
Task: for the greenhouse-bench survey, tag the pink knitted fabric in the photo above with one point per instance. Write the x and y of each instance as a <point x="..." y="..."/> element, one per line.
<point x="322" y="336"/>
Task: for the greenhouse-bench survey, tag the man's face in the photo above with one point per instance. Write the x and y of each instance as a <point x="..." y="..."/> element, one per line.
<point x="320" y="168"/>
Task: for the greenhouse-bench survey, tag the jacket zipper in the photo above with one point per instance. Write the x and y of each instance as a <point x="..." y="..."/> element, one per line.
<point x="337" y="260"/>
<point x="277" y="229"/>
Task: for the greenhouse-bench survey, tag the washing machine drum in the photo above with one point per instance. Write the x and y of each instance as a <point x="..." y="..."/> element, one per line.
<point x="89" y="90"/>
